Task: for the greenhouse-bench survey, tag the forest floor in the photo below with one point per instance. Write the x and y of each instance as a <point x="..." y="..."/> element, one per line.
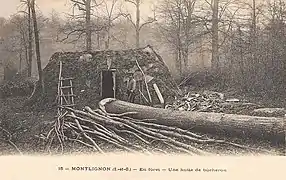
<point x="25" y="127"/>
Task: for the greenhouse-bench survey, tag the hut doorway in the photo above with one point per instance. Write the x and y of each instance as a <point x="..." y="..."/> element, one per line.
<point x="108" y="83"/>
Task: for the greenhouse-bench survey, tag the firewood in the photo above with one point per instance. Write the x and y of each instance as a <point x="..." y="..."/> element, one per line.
<point x="88" y="127"/>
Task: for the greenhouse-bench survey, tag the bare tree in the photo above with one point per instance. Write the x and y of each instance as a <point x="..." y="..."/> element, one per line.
<point x="37" y="46"/>
<point x="30" y="39"/>
<point x="80" y="23"/>
<point x="85" y="6"/>
<point x="55" y="22"/>
<point x="15" y="40"/>
<point x="137" y="24"/>
<point x="253" y="39"/>
<point x="215" y="40"/>
<point x="10" y="48"/>
<point x="21" y="27"/>
<point x="111" y="17"/>
<point x="87" y="24"/>
<point x="181" y="29"/>
<point x="257" y="63"/>
<point x="27" y="12"/>
<point x="219" y="17"/>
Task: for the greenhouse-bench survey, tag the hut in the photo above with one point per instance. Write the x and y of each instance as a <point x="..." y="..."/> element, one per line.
<point x="102" y="74"/>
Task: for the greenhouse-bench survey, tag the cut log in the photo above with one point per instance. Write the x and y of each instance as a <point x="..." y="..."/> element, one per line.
<point x="226" y="125"/>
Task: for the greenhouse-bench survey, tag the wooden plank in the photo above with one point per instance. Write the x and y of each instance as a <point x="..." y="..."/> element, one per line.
<point x="158" y="92"/>
<point x="59" y="90"/>
<point x="62" y="93"/>
<point x="71" y="90"/>
<point x="68" y="105"/>
<point x="69" y="95"/>
<point x="70" y="78"/>
<point x="66" y="87"/>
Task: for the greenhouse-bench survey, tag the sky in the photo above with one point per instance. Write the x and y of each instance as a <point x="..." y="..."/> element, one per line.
<point x="10" y="7"/>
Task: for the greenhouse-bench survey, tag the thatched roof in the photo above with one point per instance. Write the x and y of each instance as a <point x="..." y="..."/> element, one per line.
<point x="83" y="67"/>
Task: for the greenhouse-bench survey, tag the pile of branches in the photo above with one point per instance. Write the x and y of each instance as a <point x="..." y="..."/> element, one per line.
<point x="210" y="102"/>
<point x="96" y="128"/>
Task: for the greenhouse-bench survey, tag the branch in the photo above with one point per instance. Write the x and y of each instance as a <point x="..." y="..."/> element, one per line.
<point x="9" y="135"/>
<point x="130" y="1"/>
<point x="223" y="8"/>
<point x="116" y="17"/>
<point x="79" y="7"/>
<point x="76" y="17"/>
<point x="128" y="17"/>
<point x="86" y="136"/>
<point x="70" y="33"/>
<point x="151" y="20"/>
<point x="229" y="27"/>
<point x="78" y="2"/>
<point x="78" y="37"/>
<point x="97" y="4"/>
<point x="24" y="12"/>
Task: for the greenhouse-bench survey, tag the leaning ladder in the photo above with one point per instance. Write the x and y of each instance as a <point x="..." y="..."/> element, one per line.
<point x="65" y="92"/>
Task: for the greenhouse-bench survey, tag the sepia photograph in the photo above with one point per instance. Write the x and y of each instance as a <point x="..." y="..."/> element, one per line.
<point x="147" y="77"/>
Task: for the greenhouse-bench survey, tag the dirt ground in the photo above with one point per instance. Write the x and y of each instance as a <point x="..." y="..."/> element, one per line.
<point x="22" y="125"/>
<point x="25" y="127"/>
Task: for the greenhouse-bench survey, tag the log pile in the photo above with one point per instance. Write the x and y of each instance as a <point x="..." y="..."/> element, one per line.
<point x="209" y="101"/>
<point x="87" y="73"/>
<point x="95" y="129"/>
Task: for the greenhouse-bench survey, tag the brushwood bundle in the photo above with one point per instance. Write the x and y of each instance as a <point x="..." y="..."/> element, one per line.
<point x="104" y="132"/>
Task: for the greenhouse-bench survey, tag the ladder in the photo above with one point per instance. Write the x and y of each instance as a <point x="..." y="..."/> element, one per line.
<point x="65" y="92"/>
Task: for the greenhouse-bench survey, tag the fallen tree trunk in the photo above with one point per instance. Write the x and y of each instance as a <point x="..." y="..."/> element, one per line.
<point x="106" y="132"/>
<point x="231" y="125"/>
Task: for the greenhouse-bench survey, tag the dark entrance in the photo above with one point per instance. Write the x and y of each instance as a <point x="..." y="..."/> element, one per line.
<point x="108" y="83"/>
